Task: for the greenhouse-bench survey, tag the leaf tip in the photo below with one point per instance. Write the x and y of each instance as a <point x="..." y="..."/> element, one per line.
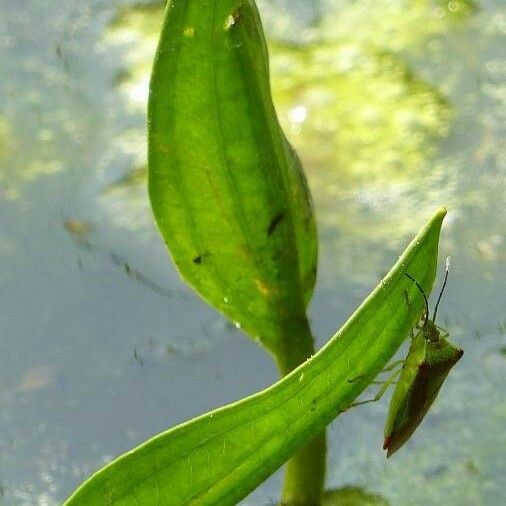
<point x="438" y="217"/>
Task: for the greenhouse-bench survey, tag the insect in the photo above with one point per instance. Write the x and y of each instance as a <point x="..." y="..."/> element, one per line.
<point x="430" y="358"/>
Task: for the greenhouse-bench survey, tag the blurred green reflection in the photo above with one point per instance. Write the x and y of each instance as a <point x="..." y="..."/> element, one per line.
<point x="366" y="123"/>
<point x="352" y="496"/>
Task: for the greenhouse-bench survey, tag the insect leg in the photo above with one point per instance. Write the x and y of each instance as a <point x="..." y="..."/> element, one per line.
<point x="393" y="365"/>
<point x="388" y="368"/>
<point x="381" y="391"/>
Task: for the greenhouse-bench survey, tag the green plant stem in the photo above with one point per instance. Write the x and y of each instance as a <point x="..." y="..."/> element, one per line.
<point x="305" y="471"/>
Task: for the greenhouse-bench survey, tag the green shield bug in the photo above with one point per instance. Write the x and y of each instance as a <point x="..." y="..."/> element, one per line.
<point x="430" y="358"/>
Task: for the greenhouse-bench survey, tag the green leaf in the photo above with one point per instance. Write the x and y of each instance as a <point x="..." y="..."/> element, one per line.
<point x="219" y="457"/>
<point x="226" y="188"/>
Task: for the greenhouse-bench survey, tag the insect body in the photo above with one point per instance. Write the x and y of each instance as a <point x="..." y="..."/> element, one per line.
<point x="430" y="358"/>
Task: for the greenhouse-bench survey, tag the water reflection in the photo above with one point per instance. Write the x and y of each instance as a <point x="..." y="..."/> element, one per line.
<point x="367" y="123"/>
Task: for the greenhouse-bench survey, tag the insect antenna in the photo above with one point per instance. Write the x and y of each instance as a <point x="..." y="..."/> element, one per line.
<point x="425" y="323"/>
<point x="442" y="288"/>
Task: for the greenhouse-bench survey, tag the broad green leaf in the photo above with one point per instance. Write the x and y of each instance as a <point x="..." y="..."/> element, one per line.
<point x="219" y="457"/>
<point x="226" y="188"/>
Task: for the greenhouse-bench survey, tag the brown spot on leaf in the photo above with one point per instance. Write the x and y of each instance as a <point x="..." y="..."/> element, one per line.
<point x="276" y="220"/>
<point x="262" y="287"/>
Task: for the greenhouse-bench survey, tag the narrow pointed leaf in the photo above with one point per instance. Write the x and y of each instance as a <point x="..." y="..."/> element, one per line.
<point x="226" y="188"/>
<point x="220" y="457"/>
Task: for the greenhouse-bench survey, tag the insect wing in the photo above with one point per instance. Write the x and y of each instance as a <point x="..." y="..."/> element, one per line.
<point x="397" y="411"/>
<point x="417" y="396"/>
